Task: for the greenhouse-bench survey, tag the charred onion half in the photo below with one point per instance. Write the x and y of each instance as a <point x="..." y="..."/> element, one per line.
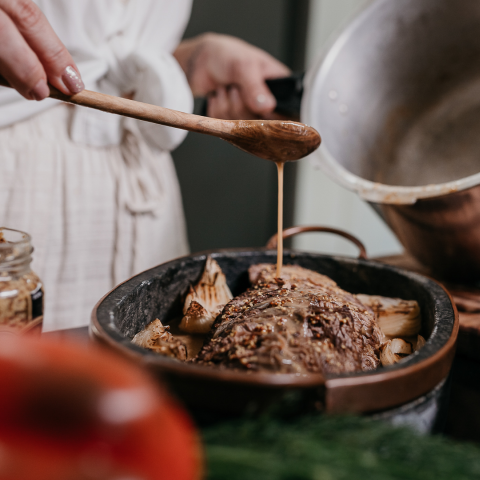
<point x="205" y="300"/>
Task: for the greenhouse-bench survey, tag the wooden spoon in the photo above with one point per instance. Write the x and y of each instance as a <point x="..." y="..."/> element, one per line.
<point x="276" y="140"/>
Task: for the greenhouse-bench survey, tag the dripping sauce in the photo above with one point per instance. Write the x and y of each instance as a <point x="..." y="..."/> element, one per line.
<point x="280" y="168"/>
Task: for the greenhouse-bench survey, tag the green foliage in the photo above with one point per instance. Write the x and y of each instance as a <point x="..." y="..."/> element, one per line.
<point x="333" y="448"/>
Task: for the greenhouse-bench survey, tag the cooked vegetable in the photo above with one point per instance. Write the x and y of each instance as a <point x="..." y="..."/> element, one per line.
<point x="419" y="344"/>
<point x="387" y="357"/>
<point x="393" y="351"/>
<point x="205" y="301"/>
<point x="395" y="317"/>
<point x="156" y="337"/>
<point x="401" y="347"/>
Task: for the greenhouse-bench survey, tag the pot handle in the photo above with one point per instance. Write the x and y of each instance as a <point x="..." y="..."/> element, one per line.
<point x="292" y="231"/>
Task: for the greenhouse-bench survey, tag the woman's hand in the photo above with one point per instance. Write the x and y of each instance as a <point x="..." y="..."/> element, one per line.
<point x="232" y="74"/>
<point x="31" y="54"/>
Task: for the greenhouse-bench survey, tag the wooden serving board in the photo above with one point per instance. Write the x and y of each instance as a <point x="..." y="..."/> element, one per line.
<point x="467" y="300"/>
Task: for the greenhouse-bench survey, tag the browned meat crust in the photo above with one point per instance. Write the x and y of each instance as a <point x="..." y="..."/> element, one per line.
<point x="300" y="323"/>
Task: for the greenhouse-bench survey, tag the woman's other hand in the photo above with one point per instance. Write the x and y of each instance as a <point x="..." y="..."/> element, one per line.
<point x="31" y="54"/>
<point x="232" y="74"/>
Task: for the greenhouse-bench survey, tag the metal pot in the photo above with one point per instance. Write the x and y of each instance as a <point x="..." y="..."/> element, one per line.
<point x="417" y="382"/>
<point x="396" y="98"/>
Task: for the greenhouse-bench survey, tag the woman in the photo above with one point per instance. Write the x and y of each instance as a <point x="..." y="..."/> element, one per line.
<point x="97" y="192"/>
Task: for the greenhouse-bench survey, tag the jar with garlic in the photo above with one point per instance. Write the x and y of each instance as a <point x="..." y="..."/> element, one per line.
<point x="21" y="291"/>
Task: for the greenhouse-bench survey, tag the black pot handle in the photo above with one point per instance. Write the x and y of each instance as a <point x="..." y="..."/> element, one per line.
<point x="288" y="92"/>
<point x="292" y="231"/>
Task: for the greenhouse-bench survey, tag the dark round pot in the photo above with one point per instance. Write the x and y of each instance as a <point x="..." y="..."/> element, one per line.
<point x="158" y="293"/>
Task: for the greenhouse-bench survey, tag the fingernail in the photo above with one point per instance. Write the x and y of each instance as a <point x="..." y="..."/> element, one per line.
<point x="40" y="90"/>
<point x="264" y="102"/>
<point x="72" y="80"/>
<point x="261" y="99"/>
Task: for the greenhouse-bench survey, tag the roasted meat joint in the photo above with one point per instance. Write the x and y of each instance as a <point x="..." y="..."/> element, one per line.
<point x="299" y="323"/>
<point x="302" y="322"/>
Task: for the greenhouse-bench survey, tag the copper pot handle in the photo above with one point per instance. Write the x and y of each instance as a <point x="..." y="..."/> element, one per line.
<point x="290" y="232"/>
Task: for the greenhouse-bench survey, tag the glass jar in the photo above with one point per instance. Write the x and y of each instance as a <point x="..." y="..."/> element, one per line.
<point x="21" y="291"/>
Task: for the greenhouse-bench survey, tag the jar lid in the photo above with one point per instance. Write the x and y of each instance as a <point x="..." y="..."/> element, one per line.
<point x="14" y="244"/>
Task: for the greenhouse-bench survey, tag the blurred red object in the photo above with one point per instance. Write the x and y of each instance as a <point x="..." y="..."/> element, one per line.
<point x="68" y="413"/>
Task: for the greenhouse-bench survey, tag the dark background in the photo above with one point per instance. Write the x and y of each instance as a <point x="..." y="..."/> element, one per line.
<point x="230" y="196"/>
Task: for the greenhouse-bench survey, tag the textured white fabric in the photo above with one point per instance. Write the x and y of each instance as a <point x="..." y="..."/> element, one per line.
<point x="96" y="215"/>
<point x="119" y="47"/>
<point x="97" y="192"/>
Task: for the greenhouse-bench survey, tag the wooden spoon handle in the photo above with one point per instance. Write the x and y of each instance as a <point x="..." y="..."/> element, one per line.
<point x="142" y="111"/>
<point x="146" y="112"/>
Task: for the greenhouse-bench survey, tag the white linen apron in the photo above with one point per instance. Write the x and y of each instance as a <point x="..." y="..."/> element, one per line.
<point x="97" y="192"/>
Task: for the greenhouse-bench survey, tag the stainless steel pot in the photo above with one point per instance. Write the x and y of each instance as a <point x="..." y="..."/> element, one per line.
<point x="396" y="98"/>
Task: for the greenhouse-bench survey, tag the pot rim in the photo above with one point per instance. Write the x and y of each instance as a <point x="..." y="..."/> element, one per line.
<point x="375" y="192"/>
<point x="347" y="392"/>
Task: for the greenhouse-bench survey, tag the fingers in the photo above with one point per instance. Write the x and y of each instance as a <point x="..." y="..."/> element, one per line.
<point x="19" y="64"/>
<point x="238" y="109"/>
<point x="57" y="63"/>
<point x="251" y="82"/>
<point x="227" y="104"/>
<point x="217" y="104"/>
<point x="254" y="90"/>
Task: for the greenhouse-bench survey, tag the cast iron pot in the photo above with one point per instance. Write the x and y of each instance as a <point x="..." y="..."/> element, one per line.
<point x="158" y="293"/>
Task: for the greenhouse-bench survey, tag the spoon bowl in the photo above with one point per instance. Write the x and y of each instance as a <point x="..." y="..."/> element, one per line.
<point x="276" y="140"/>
